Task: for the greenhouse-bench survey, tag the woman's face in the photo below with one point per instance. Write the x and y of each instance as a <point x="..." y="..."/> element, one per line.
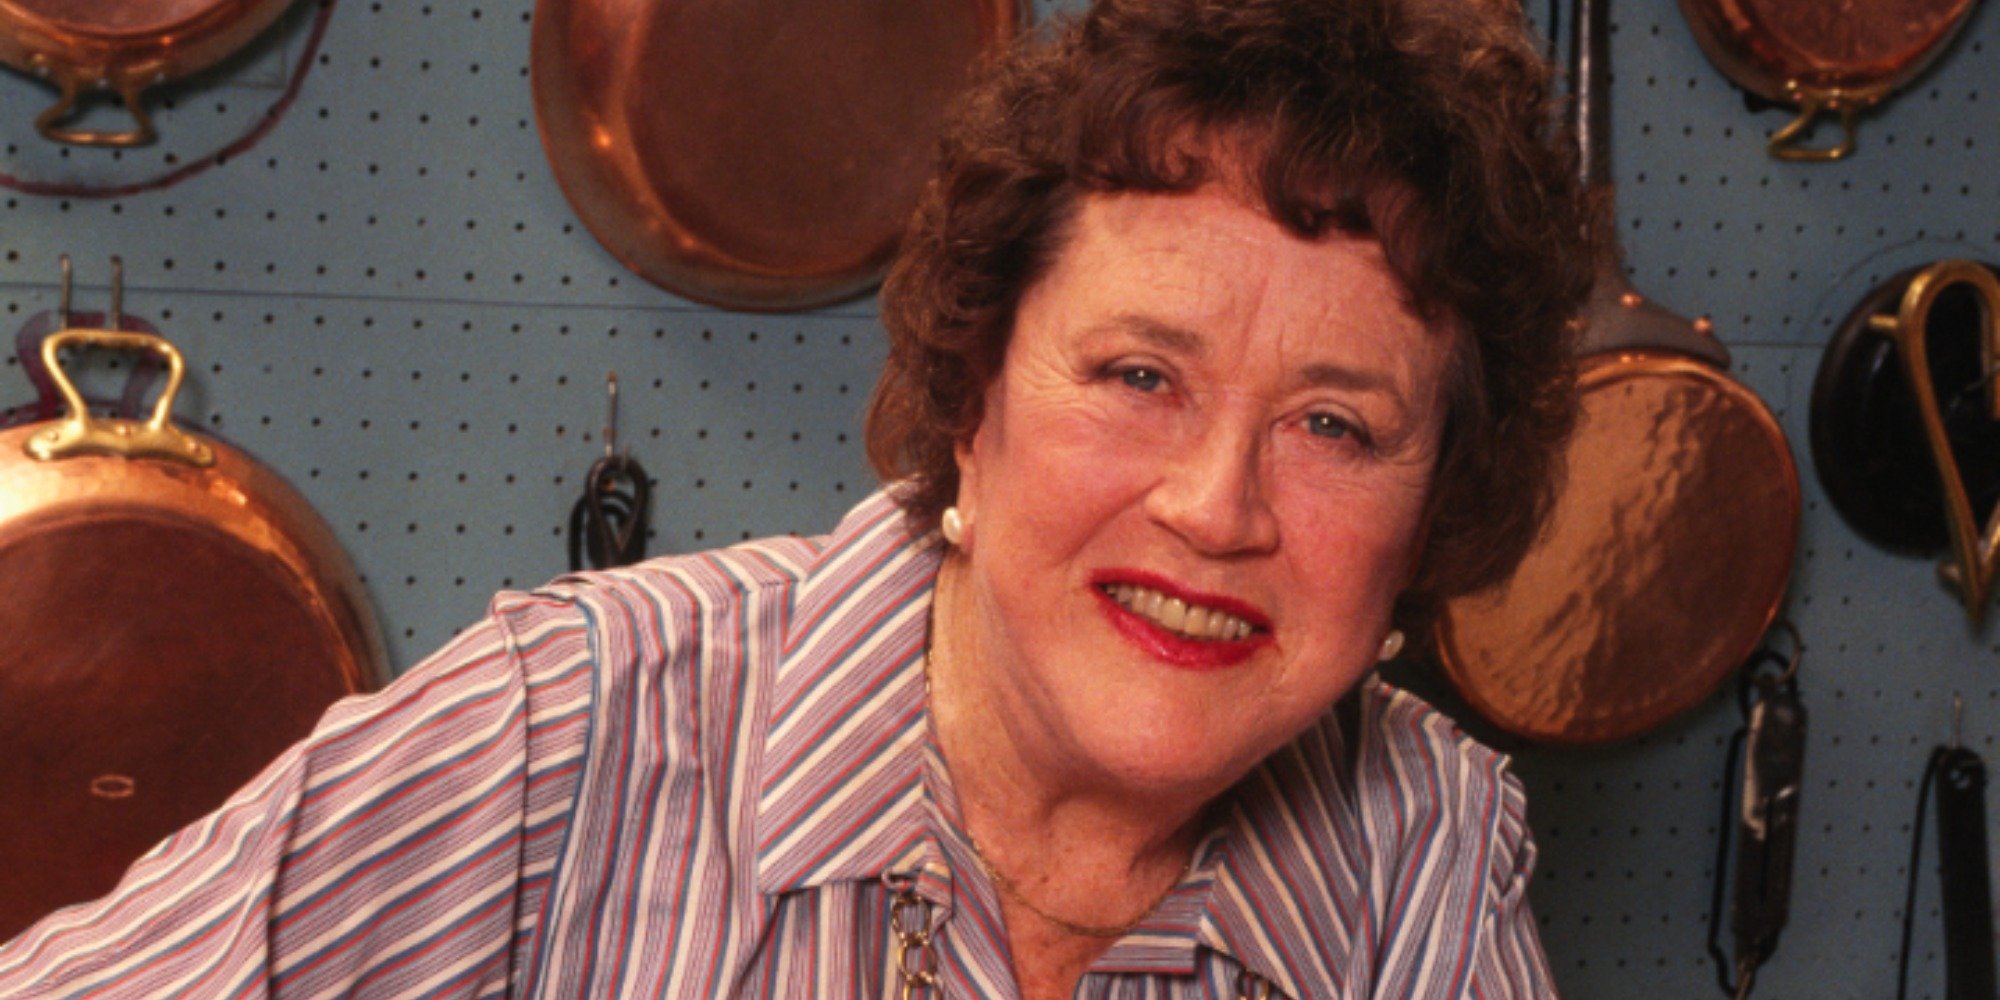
<point x="1195" y="494"/>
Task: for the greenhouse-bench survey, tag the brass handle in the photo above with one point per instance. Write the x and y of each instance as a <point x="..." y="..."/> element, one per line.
<point x="1812" y="101"/>
<point x="48" y="122"/>
<point x="1975" y="551"/>
<point x="79" y="433"/>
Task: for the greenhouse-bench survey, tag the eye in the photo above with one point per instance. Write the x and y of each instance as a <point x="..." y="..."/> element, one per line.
<point x="1327" y="425"/>
<point x="1142" y="379"/>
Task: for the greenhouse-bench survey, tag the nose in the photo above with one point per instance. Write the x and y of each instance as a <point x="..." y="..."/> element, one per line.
<point x="1213" y="494"/>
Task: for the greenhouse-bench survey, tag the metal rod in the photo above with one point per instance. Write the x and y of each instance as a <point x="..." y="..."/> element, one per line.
<point x="1590" y="75"/>
<point x="117" y="293"/>
<point x="610" y="414"/>
<point x="62" y="308"/>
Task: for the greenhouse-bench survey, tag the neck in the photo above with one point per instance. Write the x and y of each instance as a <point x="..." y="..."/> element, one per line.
<point x="1069" y="842"/>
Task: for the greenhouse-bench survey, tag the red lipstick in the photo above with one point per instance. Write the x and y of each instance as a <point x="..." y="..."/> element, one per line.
<point x="1170" y="647"/>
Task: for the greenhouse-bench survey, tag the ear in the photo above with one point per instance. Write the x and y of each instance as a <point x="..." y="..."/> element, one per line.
<point x="964" y="454"/>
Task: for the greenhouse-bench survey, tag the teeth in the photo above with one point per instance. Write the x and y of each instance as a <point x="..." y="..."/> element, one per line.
<point x="1176" y="615"/>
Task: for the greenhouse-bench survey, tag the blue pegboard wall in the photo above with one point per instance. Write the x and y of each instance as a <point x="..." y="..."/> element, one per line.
<point x="388" y="299"/>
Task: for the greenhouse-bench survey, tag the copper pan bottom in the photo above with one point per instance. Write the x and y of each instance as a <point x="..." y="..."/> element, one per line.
<point x="752" y="154"/>
<point x="1669" y="551"/>
<point x="169" y="631"/>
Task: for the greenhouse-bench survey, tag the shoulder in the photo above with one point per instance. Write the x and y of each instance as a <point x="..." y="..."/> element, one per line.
<point x="1388" y="760"/>
<point x="1425" y="789"/>
<point x="754" y="585"/>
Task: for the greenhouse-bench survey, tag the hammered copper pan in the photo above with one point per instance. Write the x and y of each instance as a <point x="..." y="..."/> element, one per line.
<point x="175" y="616"/>
<point x="752" y="154"/>
<point x="1822" y="57"/>
<point x="1671" y="543"/>
<point x="123" y="47"/>
<point x="1664" y="564"/>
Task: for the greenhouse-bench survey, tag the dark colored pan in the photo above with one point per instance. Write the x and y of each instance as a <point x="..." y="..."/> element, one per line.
<point x="1671" y="543"/>
<point x="752" y="154"/>
<point x="1868" y="437"/>
<point x="1906" y="419"/>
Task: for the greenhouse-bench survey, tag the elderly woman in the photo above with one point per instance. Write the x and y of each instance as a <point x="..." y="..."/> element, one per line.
<point x="1228" y="340"/>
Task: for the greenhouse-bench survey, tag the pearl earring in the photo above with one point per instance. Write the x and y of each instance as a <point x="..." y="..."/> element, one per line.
<point x="952" y="524"/>
<point x="1392" y="644"/>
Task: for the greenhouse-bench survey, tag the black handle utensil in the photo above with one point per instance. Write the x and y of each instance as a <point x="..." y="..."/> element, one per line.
<point x="1761" y="804"/>
<point x="607" y="525"/>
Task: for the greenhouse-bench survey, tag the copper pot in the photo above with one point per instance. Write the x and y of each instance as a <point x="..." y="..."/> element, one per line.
<point x="124" y="47"/>
<point x="752" y="154"/>
<point x="1822" y="57"/>
<point x="175" y="617"/>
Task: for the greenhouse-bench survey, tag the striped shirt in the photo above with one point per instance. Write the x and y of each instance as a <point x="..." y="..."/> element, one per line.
<point x="709" y="776"/>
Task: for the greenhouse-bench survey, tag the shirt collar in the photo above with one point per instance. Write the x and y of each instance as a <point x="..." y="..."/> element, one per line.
<point x="841" y="791"/>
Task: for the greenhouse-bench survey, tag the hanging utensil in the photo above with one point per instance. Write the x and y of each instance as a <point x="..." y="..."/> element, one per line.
<point x="1965" y="883"/>
<point x="607" y="525"/>
<point x="1760" y="803"/>
<point x="1671" y="543"/>
<point x="1822" y="58"/>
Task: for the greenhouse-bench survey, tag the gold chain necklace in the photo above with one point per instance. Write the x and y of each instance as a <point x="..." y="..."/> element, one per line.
<point x="1012" y="891"/>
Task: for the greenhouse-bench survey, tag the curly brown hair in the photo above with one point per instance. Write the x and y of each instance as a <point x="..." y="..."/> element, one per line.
<point x="1427" y="124"/>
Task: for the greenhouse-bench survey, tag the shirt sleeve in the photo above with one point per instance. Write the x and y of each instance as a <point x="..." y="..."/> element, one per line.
<point x="1508" y="961"/>
<point x="394" y="852"/>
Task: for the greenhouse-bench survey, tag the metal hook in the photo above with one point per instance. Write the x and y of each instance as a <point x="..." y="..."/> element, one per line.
<point x="610" y="414"/>
<point x="1798" y="650"/>
<point x="62" y="308"/>
<point x="117" y="293"/>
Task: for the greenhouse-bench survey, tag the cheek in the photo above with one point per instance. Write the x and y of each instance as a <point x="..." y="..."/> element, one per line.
<point x="1356" y="539"/>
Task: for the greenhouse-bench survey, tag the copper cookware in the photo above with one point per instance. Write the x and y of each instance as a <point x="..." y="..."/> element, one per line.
<point x="1671" y="543"/>
<point x="1822" y="57"/>
<point x="175" y="617"/>
<point x="124" y="47"/>
<point x="752" y="154"/>
<point x="1668" y="553"/>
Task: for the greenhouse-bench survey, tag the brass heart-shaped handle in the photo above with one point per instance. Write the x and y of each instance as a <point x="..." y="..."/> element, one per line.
<point x="1975" y="549"/>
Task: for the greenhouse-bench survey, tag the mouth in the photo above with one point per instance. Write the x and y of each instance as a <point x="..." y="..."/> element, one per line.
<point x="1192" y="631"/>
<point x="1183" y="618"/>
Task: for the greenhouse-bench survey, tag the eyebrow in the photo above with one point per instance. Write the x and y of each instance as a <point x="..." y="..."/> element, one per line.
<point x="1166" y="337"/>
<point x="1183" y="341"/>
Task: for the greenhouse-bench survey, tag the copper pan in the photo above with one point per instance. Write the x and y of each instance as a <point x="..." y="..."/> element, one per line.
<point x="1822" y="57"/>
<point x="175" y="617"/>
<point x="752" y="154"/>
<point x="1668" y="554"/>
<point x="1672" y="538"/>
<point x="123" y="47"/>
